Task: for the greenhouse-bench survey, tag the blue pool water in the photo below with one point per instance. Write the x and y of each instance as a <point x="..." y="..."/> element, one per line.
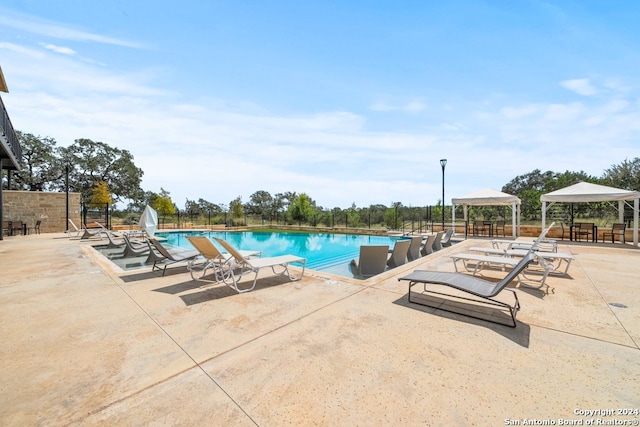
<point x="324" y="252"/>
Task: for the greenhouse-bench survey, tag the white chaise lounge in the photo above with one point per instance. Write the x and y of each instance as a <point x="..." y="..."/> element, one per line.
<point x="243" y="265"/>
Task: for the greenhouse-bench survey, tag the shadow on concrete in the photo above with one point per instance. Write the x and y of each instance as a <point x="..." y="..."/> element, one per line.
<point x="178" y="288"/>
<point x="536" y="291"/>
<point x="127" y="278"/>
<point x="215" y="291"/>
<point x="210" y="294"/>
<point x="461" y="310"/>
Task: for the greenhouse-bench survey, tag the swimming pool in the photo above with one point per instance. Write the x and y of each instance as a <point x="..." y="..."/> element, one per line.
<point x="324" y="252"/>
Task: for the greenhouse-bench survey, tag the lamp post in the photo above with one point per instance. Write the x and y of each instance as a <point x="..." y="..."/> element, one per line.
<point x="443" y="163"/>
<point x="66" y="190"/>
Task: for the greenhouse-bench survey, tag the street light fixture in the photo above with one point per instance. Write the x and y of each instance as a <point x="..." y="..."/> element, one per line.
<point x="66" y="190"/>
<point x="443" y="163"/>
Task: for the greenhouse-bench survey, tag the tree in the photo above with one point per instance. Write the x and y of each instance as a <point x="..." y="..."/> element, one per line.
<point x="206" y="206"/>
<point x="260" y="203"/>
<point x="41" y="165"/>
<point x="163" y="203"/>
<point x="278" y="204"/>
<point x="534" y="180"/>
<point x="301" y="208"/>
<point x="100" y="195"/>
<point x="376" y="213"/>
<point x="529" y="187"/>
<point x="336" y="216"/>
<point x="567" y="178"/>
<point x="626" y="175"/>
<point x="192" y="207"/>
<point x="393" y="216"/>
<point x="353" y="216"/>
<point x="91" y="162"/>
<point x="235" y="208"/>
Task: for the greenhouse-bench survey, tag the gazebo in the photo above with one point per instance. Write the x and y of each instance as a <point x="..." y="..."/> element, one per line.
<point x="584" y="192"/>
<point x="490" y="197"/>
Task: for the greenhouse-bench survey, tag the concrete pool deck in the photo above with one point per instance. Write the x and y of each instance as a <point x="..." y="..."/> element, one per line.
<point x="85" y="343"/>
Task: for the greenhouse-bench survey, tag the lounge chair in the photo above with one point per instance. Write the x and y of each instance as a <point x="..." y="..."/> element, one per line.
<point x="427" y="248"/>
<point x="437" y="243"/>
<point x="372" y="261"/>
<point x="112" y="241"/>
<point x="484" y="291"/>
<point x="134" y="249"/>
<point x="98" y="230"/>
<point x="213" y="258"/>
<point x="170" y="256"/>
<point x="413" y="253"/>
<point x="540" y="243"/>
<point x="255" y="265"/>
<point x="556" y="259"/>
<point x="445" y="242"/>
<point x="398" y="255"/>
<point x="84" y="233"/>
<point x="476" y="262"/>
<point x="76" y="232"/>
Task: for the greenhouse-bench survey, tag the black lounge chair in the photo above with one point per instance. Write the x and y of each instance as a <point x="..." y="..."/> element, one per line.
<point x="483" y="290"/>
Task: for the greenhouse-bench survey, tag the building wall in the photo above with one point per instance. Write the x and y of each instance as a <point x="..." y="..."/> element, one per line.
<point x="49" y="207"/>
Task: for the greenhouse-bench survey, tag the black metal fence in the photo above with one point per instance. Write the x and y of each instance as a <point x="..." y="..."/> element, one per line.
<point x="93" y="212"/>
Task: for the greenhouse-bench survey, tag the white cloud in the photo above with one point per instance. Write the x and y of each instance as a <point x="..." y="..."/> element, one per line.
<point x="579" y="86"/>
<point x="21" y="50"/>
<point x="563" y="112"/>
<point x="58" y="49"/>
<point x="67" y="74"/>
<point x="42" y="27"/>
<point x="516" y="113"/>
<point x="454" y="126"/>
<point x="615" y="106"/>
<point x="413" y="106"/>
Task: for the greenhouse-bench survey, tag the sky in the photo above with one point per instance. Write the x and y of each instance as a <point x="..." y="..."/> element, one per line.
<point x="350" y="102"/>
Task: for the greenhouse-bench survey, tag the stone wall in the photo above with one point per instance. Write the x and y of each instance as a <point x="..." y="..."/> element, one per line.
<point x="50" y="208"/>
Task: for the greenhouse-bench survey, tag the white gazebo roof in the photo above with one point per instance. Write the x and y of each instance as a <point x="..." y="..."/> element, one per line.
<point x="584" y="192"/>
<point x="486" y="196"/>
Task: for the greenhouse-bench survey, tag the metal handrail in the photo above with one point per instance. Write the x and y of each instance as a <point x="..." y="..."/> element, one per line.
<point x="6" y="130"/>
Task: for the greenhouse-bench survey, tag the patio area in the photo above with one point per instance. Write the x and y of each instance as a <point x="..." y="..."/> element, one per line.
<point x="86" y="343"/>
